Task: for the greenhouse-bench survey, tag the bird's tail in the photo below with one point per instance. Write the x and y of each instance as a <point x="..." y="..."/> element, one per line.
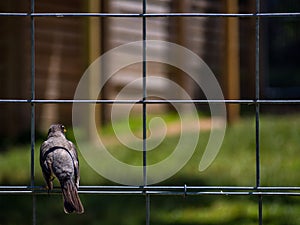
<point x="71" y="198"/>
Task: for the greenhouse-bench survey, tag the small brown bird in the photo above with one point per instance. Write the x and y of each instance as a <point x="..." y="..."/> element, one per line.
<point x="58" y="158"/>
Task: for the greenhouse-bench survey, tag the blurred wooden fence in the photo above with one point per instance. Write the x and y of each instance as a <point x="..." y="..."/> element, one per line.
<point x="66" y="46"/>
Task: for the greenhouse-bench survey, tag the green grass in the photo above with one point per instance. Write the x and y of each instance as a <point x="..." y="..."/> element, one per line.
<point x="234" y="165"/>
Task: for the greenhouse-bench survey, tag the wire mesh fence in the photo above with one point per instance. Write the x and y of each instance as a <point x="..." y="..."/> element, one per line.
<point x="145" y="190"/>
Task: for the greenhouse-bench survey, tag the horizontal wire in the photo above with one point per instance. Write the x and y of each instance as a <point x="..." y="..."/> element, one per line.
<point x="296" y="14"/>
<point x="62" y="14"/>
<point x="14" y="14"/>
<point x="162" y="101"/>
<point x="159" y="190"/>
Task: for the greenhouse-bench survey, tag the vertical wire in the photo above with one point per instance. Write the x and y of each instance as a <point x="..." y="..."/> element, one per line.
<point x="144" y="95"/>
<point x="145" y="111"/>
<point x="32" y="121"/>
<point x="257" y="108"/>
<point x="257" y="93"/>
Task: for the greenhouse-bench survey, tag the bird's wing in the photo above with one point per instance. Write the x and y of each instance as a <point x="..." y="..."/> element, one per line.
<point x="74" y="154"/>
<point x="45" y="169"/>
<point x="43" y="149"/>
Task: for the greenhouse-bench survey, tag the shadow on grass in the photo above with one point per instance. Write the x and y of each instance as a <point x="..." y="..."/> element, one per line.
<point x="49" y="210"/>
<point x="130" y="210"/>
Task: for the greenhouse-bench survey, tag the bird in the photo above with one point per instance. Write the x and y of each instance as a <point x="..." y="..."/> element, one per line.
<point x="59" y="158"/>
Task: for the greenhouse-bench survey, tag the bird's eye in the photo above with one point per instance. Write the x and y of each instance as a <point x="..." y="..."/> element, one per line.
<point x="63" y="128"/>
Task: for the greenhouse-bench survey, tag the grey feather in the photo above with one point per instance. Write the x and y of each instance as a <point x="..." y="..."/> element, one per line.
<point x="59" y="158"/>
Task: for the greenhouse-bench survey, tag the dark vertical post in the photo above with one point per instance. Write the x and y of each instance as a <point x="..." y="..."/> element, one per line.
<point x="231" y="78"/>
<point x="32" y="122"/>
<point x="105" y="24"/>
<point x="179" y="34"/>
<point x="93" y="52"/>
